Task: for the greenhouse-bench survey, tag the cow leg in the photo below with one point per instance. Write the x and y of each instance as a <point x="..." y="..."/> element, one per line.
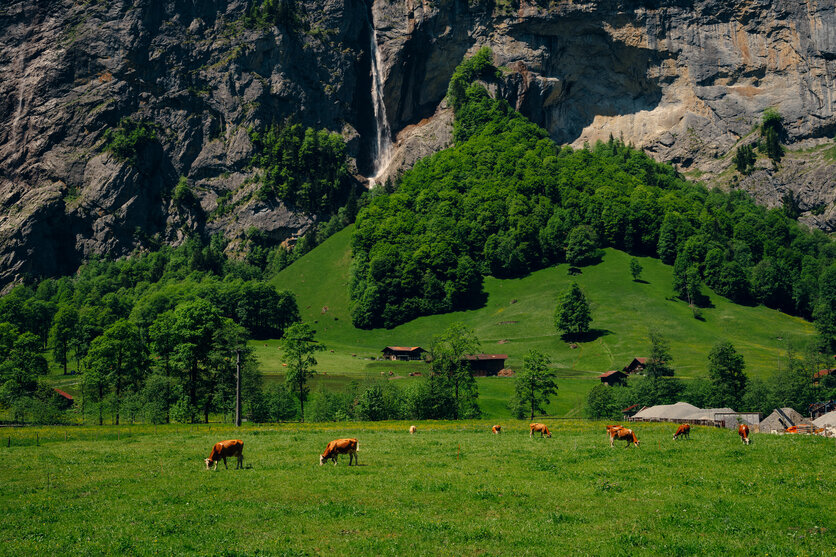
<point x="240" y="462"/>
<point x="225" y="466"/>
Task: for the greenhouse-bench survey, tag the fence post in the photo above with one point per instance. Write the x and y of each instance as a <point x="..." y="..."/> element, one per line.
<point x="10" y="441"/>
<point x="37" y="440"/>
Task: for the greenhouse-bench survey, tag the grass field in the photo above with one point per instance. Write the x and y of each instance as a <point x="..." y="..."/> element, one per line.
<point x="451" y="489"/>
<point x="518" y="317"/>
<point x="519" y="313"/>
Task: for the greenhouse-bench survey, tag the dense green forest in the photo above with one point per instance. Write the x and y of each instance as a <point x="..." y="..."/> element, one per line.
<point x="506" y="200"/>
<point x="155" y="332"/>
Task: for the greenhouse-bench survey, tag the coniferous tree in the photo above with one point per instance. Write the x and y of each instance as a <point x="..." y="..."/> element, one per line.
<point x="572" y="315"/>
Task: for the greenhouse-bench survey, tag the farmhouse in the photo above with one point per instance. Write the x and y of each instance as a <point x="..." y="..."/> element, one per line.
<point x="614" y="377"/>
<point x="637" y="365"/>
<point x="403" y="353"/>
<point x="483" y="365"/>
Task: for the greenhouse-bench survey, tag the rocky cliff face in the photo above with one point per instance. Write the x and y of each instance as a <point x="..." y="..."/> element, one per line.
<point x="685" y="80"/>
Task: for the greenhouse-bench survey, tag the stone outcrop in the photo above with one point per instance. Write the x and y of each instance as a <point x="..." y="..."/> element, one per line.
<point x="687" y="81"/>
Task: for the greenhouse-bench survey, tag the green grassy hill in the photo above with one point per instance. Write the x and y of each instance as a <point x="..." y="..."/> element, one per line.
<point x="518" y="316"/>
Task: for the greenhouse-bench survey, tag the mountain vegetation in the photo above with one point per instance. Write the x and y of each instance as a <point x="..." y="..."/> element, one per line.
<point x="506" y="200"/>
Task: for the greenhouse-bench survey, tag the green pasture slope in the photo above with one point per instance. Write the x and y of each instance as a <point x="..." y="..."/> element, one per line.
<point x="518" y="316"/>
<point x="451" y="489"/>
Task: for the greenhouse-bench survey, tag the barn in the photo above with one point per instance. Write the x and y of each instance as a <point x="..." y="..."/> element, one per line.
<point x="65" y="400"/>
<point x="781" y="419"/>
<point x="684" y="413"/>
<point x="403" y="353"/>
<point x="484" y="365"/>
<point x="614" y="377"/>
<point x="637" y="365"/>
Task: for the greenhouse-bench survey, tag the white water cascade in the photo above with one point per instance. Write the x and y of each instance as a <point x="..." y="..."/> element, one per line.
<point x="383" y="142"/>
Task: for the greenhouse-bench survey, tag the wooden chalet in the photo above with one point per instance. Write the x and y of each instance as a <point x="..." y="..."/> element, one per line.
<point x="484" y="365"/>
<point x="614" y="377"/>
<point x="635" y="366"/>
<point x="403" y="353"/>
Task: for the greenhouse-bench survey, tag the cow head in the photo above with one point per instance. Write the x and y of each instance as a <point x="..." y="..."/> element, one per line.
<point x="321" y="460"/>
<point x="208" y="462"/>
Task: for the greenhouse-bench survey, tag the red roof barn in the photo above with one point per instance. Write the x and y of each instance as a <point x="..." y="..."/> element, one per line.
<point x="614" y="377"/>
<point x="636" y="366"/>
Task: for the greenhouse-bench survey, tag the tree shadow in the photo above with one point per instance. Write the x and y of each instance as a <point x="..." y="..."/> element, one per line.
<point x="703" y="302"/>
<point x="589" y="336"/>
<point x="641" y="281"/>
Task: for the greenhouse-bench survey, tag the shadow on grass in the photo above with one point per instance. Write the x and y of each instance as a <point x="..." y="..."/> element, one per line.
<point x="592" y="334"/>
<point x="641" y="281"/>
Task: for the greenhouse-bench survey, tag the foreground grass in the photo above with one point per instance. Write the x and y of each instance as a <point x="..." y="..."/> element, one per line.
<point x="451" y="489"/>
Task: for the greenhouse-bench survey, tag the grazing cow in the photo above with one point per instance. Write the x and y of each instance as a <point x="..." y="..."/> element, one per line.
<point x="743" y="431"/>
<point x="684" y="430"/>
<point x="412" y="429"/>
<point x="496" y="429"/>
<point x="540" y="428"/>
<point x="230" y="448"/>
<point x="611" y="429"/>
<point x="624" y="434"/>
<point x="338" y="447"/>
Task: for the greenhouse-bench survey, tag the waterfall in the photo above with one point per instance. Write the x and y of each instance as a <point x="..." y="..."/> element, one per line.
<point x="382" y="153"/>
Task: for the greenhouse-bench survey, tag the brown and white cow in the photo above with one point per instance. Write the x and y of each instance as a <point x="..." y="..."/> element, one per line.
<point x="338" y="447"/>
<point x="412" y="429"/>
<point x="611" y="429"/>
<point x="497" y="429"/>
<point x="683" y="430"/>
<point x="624" y="434"/>
<point x="743" y="431"/>
<point x="229" y="448"/>
<point x="539" y="428"/>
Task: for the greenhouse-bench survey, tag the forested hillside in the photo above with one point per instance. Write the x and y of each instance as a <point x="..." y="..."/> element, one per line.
<point x="506" y="200"/>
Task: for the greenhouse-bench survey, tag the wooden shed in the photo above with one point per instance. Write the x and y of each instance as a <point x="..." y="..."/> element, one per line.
<point x="483" y="365"/>
<point x="614" y="377"/>
<point x="637" y="365"/>
<point x="403" y="353"/>
<point x="66" y="399"/>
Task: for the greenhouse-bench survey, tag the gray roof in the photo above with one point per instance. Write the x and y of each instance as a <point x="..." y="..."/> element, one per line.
<point x="826" y="420"/>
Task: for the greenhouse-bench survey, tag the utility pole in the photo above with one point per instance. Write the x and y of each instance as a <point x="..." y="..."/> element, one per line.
<point x="237" y="388"/>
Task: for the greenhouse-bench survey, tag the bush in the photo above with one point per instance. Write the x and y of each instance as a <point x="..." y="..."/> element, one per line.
<point x="125" y="141"/>
<point x="183" y="194"/>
